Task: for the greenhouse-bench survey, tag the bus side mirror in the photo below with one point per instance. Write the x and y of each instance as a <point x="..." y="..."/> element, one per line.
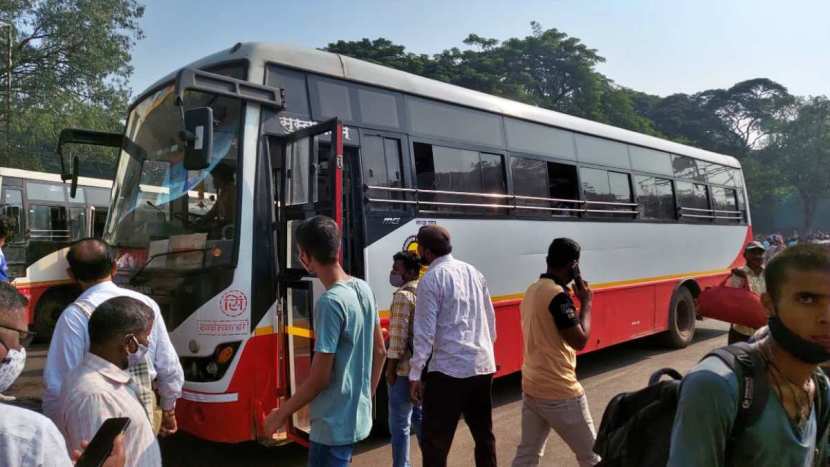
<point x="76" y="169"/>
<point x="198" y="138"/>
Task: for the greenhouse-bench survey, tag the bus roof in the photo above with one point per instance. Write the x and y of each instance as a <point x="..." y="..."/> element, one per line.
<point x="340" y="66"/>
<point x="50" y="177"/>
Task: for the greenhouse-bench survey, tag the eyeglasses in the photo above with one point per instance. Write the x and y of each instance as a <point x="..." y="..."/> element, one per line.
<point x="25" y="337"/>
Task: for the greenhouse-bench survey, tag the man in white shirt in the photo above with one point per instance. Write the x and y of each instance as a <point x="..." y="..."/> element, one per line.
<point x="99" y="389"/>
<point x="27" y="438"/>
<point x="454" y="329"/>
<point x="92" y="264"/>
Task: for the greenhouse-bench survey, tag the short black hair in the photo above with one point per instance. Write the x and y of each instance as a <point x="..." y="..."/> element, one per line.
<point x="116" y="318"/>
<point x="90" y="259"/>
<point x="11" y="301"/>
<point x="436" y="239"/>
<point x="6" y="226"/>
<point x="319" y="236"/>
<point x="411" y="261"/>
<point x="562" y="251"/>
<point x="801" y="257"/>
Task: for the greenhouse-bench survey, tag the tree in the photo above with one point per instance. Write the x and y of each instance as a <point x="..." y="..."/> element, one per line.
<point x="70" y="68"/>
<point x="748" y="110"/>
<point x="799" y="151"/>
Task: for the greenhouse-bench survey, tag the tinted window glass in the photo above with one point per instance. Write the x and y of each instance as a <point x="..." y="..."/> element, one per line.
<point x="296" y="91"/>
<point x="334" y="100"/>
<point x="694" y="196"/>
<point x="539" y="139"/>
<point x="45" y="192"/>
<point x="686" y="167"/>
<point x="601" y="185"/>
<point x="724" y="199"/>
<point x="448" y="121"/>
<point x="720" y="175"/>
<point x="381" y="164"/>
<point x="449" y="169"/>
<point x="601" y="151"/>
<point x="655" y="196"/>
<point x="530" y="177"/>
<point x="48" y="223"/>
<point x="649" y="160"/>
<point x="620" y="187"/>
<point x="378" y="108"/>
<point x="492" y="173"/>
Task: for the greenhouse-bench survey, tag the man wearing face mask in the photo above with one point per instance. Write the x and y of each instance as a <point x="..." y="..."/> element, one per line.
<point x="27" y="438"/>
<point x="792" y="429"/>
<point x="92" y="265"/>
<point x="348" y="353"/>
<point x="99" y="389"/>
<point x="403" y="414"/>
<point x="454" y="329"/>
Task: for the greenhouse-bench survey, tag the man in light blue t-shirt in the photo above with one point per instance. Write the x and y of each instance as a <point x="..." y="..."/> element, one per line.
<point x="349" y="353"/>
<point x="791" y="431"/>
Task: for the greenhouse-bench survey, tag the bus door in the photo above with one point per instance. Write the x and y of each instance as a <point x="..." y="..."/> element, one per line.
<point x="307" y="168"/>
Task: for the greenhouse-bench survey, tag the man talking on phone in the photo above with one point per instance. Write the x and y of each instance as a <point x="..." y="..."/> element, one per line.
<point x="27" y="438"/>
<point x="553" y="331"/>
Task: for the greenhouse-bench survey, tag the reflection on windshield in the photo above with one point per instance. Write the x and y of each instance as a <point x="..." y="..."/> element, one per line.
<point x="160" y="206"/>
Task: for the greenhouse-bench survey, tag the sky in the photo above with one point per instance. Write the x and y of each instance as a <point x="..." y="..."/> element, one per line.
<point x="659" y="47"/>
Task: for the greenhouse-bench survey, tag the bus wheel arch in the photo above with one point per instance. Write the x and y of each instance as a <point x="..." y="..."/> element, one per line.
<point x="49" y="308"/>
<point x="682" y="315"/>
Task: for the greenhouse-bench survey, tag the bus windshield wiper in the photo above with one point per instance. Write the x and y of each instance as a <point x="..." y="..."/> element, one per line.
<point x="133" y="278"/>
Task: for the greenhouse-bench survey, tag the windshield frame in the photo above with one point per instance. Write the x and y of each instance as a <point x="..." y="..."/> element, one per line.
<point x="117" y="185"/>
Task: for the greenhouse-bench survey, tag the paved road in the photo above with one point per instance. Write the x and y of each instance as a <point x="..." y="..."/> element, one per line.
<point x="604" y="374"/>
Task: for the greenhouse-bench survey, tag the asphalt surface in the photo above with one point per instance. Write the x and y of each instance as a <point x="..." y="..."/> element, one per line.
<point x="603" y="374"/>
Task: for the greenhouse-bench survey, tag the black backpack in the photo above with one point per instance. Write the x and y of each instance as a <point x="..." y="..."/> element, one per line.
<point x="635" y="430"/>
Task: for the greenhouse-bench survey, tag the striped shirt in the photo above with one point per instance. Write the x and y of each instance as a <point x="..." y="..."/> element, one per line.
<point x="400" y="326"/>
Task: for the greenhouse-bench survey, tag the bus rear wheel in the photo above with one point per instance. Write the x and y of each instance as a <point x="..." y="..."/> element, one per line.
<point x="49" y="309"/>
<point x="682" y="319"/>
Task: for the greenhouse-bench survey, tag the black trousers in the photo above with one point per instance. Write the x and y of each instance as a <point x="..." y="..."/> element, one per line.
<point x="446" y="399"/>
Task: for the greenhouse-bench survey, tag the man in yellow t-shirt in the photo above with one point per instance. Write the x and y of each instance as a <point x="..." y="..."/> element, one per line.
<point x="553" y="331"/>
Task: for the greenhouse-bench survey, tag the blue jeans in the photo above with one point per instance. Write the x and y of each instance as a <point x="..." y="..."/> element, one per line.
<point x="402" y="415"/>
<point x="322" y="455"/>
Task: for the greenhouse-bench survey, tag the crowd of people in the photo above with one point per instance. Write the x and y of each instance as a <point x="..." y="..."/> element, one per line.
<point x="111" y="355"/>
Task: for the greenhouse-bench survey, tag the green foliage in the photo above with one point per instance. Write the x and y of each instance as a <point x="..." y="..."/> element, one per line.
<point x="799" y="152"/>
<point x="70" y="65"/>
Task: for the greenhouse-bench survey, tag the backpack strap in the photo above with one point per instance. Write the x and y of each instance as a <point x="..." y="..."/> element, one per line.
<point x="753" y="388"/>
<point x="822" y="406"/>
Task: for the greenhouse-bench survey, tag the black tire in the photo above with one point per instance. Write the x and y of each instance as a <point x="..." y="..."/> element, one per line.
<point x="49" y="309"/>
<point x="380" y="425"/>
<point x="682" y="320"/>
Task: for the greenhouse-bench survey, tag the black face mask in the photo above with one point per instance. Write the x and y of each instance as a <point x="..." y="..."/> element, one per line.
<point x="800" y="348"/>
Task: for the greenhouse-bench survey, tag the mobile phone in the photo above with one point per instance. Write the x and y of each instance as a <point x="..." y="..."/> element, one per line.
<point x="101" y="445"/>
<point x="577" y="274"/>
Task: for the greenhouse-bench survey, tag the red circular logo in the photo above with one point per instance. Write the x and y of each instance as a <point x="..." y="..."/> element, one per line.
<point x="233" y="303"/>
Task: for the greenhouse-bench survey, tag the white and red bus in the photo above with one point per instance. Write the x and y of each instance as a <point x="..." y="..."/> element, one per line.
<point x="658" y="220"/>
<point x="45" y="220"/>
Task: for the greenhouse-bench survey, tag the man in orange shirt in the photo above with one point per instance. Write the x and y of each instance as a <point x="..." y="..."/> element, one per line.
<point x="553" y="332"/>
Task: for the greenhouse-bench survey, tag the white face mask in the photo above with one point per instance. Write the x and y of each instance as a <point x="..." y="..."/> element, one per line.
<point x="10" y="370"/>
<point x="139" y="355"/>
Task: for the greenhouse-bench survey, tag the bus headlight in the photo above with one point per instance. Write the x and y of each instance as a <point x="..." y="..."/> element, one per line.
<point x="211" y="367"/>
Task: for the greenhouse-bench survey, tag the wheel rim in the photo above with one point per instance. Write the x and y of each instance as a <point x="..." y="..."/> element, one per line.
<point x="684" y="319"/>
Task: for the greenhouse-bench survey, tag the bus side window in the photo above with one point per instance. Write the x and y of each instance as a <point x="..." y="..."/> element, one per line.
<point x="381" y="160"/>
<point x="13" y="209"/>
